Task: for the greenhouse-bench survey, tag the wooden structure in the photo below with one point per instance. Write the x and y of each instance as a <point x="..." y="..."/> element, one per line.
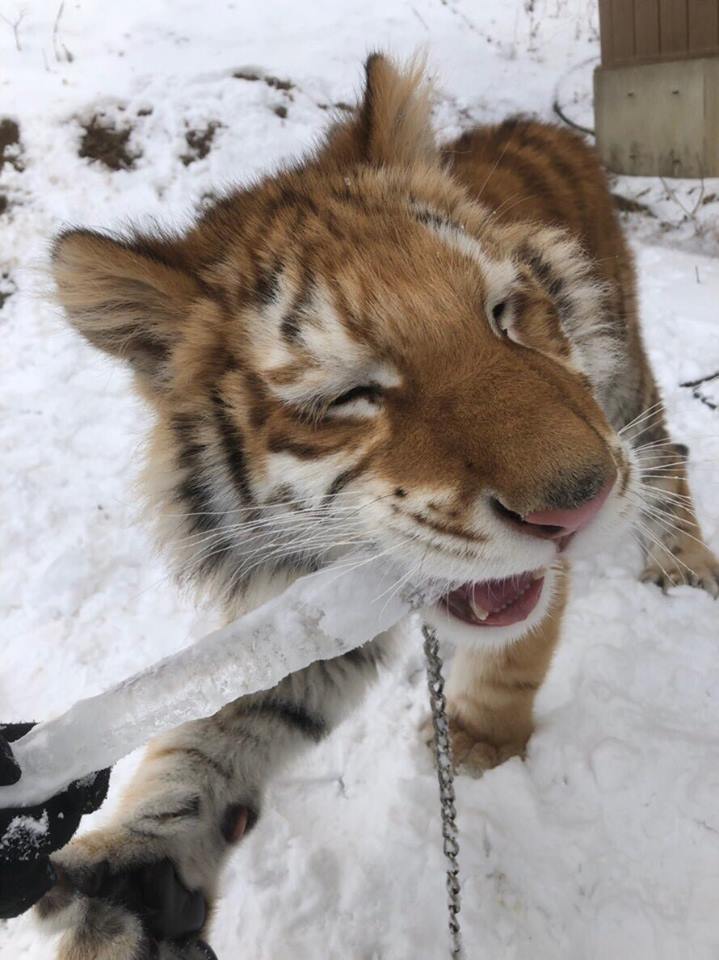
<point x="657" y="90"/>
<point x="650" y="31"/>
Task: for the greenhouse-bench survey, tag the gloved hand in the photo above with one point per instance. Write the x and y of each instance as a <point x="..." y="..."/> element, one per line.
<point x="28" y="835"/>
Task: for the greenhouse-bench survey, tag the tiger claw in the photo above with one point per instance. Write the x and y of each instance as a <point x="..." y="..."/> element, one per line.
<point x="704" y="574"/>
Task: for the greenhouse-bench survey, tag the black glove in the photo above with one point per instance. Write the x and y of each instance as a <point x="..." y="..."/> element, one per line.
<point x="28" y="835"/>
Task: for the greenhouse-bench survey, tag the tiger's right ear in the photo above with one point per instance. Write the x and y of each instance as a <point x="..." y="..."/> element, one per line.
<point x="392" y="125"/>
<point x="124" y="296"/>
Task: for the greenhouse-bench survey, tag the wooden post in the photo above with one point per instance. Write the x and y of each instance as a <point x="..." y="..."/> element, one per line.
<point x="657" y="90"/>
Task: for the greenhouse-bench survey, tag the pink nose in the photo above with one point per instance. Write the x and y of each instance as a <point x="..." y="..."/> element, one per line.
<point x="563" y="523"/>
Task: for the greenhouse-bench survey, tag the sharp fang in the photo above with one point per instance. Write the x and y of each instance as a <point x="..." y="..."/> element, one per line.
<point x="479" y="612"/>
<point x="538" y="574"/>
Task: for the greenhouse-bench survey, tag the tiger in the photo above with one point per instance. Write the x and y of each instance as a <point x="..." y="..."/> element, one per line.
<point x="390" y="346"/>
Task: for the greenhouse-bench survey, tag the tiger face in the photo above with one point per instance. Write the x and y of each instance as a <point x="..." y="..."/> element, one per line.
<point x="356" y="356"/>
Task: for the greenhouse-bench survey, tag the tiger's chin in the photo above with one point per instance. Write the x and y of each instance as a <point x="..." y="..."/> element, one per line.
<point x="492" y="614"/>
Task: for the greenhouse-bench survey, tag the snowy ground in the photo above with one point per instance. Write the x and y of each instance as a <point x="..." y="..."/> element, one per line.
<point x="605" y="843"/>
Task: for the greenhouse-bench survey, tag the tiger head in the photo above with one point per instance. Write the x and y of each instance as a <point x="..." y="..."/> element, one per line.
<point x="353" y="355"/>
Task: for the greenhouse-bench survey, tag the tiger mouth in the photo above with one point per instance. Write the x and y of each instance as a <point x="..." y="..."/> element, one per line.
<point x="496" y="603"/>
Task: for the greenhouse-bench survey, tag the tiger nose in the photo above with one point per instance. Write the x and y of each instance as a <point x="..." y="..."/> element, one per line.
<point x="555" y="524"/>
<point x="560" y="523"/>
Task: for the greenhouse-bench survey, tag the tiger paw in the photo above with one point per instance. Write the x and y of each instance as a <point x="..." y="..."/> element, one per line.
<point x="471" y="754"/>
<point x="683" y="561"/>
<point x="125" y="894"/>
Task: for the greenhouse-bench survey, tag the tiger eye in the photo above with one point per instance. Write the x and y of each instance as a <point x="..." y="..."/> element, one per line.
<point x="498" y="311"/>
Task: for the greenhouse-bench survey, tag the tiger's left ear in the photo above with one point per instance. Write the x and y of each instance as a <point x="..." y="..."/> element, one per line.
<point x="127" y="296"/>
<point x="392" y="125"/>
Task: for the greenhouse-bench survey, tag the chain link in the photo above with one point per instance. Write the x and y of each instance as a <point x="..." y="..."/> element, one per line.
<point x="445" y="776"/>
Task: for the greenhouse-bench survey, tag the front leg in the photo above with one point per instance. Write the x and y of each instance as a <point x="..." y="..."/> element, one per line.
<point x="674" y="548"/>
<point x="490" y="694"/>
<point x="149" y="878"/>
<point x="675" y="552"/>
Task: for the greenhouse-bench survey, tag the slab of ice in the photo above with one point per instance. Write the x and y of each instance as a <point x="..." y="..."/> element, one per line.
<point x="318" y="617"/>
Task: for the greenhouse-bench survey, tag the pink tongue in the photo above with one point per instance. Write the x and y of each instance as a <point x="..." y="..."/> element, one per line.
<point x="502" y="602"/>
<point x="495" y="594"/>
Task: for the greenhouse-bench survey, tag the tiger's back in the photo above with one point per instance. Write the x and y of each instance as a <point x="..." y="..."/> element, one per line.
<point x="523" y="170"/>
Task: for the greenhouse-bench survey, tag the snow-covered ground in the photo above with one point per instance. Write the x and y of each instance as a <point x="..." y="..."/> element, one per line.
<point x="605" y="842"/>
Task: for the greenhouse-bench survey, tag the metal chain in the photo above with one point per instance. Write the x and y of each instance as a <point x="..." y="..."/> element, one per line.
<point x="445" y="776"/>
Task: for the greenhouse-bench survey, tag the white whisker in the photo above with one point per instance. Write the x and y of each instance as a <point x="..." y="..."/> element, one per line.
<point x="654" y="411"/>
<point x="645" y="530"/>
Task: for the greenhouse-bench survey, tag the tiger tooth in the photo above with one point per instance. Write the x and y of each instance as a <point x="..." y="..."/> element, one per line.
<point x="479" y="612"/>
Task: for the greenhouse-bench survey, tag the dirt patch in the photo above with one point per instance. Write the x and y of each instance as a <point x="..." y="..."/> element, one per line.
<point x="199" y="142"/>
<point x="275" y="82"/>
<point x="340" y="105"/>
<point x="246" y="75"/>
<point x="278" y="84"/>
<point x="108" y="144"/>
<point x="9" y="143"/>
<point x="7" y="288"/>
<point x="285" y="87"/>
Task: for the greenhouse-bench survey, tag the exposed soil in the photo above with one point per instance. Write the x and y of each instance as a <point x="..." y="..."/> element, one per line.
<point x="339" y="105"/>
<point x="9" y="143"/>
<point x="199" y="142"/>
<point x="7" y="287"/>
<point x="273" y="82"/>
<point x="108" y="144"/>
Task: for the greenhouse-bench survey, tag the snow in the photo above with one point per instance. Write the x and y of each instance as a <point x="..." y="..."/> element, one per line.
<point x="23" y="835"/>
<point x="605" y="842"/>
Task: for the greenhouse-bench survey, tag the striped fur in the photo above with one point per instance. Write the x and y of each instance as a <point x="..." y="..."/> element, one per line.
<point x="359" y="353"/>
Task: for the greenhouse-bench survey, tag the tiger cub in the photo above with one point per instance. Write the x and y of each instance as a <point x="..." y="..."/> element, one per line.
<point x="389" y="346"/>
